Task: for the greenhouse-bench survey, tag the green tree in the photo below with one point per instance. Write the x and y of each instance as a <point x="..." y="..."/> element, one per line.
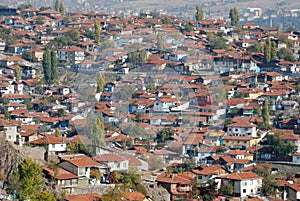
<point x="73" y="35"/>
<point x="160" y="42"/>
<point x="95" y="129"/>
<point x="97" y="33"/>
<point x="24" y="6"/>
<point x="199" y="13"/>
<point x="273" y="51"/>
<point x="267" y="50"/>
<point x="54" y="63"/>
<point x="278" y="146"/>
<point x="57" y="5"/>
<point x="39" y="20"/>
<point x="227" y="190"/>
<point x="286" y="54"/>
<point x="234" y="17"/>
<point x="100" y="83"/>
<point x="266" y="115"/>
<point x="44" y="196"/>
<point x="47" y="66"/>
<point x="27" y="180"/>
<point x="256" y="47"/>
<point x="62" y="9"/>
<point x="60" y="112"/>
<point x="18" y="74"/>
<point x="42" y="8"/>
<point x="218" y="43"/>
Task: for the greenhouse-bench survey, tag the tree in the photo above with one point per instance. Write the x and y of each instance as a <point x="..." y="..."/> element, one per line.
<point x="218" y="43"/>
<point x="39" y="20"/>
<point x="18" y="73"/>
<point x="27" y="180"/>
<point x="267" y="50"/>
<point x="266" y="115"/>
<point x="100" y="83"/>
<point x="188" y="27"/>
<point x="47" y="66"/>
<point x="73" y="34"/>
<point x="199" y="13"/>
<point x="95" y="129"/>
<point x="57" y="5"/>
<point x="268" y="184"/>
<point x="54" y="63"/>
<point x="44" y="196"/>
<point x="285" y="54"/>
<point x="24" y="6"/>
<point x="227" y="190"/>
<point x="160" y="42"/>
<point x="57" y="132"/>
<point x="273" y="51"/>
<point x="278" y="146"/>
<point x="97" y="33"/>
<point x="42" y="8"/>
<point x="234" y="17"/>
<point x="62" y="9"/>
<point x="256" y="47"/>
<point x="60" y="112"/>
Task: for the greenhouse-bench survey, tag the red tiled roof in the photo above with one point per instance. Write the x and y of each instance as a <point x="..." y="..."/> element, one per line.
<point x="174" y="179"/>
<point x="85" y="197"/>
<point x="80" y="160"/>
<point x="109" y="158"/>
<point x="49" y="139"/>
<point x="241" y="176"/>
<point x="61" y="174"/>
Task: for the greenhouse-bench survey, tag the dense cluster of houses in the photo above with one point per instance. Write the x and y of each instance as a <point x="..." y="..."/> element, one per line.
<point x="174" y="112"/>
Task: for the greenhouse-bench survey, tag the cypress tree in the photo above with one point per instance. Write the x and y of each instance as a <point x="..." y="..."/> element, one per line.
<point x="267" y="50"/>
<point x="97" y="32"/>
<point x="54" y="63"/>
<point x="57" y="5"/>
<point x="47" y="66"/>
<point x="234" y="17"/>
<point x="273" y="51"/>
<point x="199" y="14"/>
<point x="62" y="9"/>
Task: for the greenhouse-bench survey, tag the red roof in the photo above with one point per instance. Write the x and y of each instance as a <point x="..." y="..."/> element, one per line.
<point x="85" y="197"/>
<point x="239" y="176"/>
<point x="174" y="179"/>
<point x="109" y="158"/>
<point x="80" y="160"/>
<point x="61" y="174"/>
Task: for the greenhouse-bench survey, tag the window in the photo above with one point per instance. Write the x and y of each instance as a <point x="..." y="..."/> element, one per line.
<point x="53" y="146"/>
<point x="244" y="190"/>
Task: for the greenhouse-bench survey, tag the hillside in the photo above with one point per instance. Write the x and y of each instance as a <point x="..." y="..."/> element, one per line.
<point x="10" y="157"/>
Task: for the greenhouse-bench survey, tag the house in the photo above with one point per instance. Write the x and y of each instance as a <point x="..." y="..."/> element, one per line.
<point x="63" y="90"/>
<point x="11" y="130"/>
<point x="113" y="161"/>
<point x="239" y="142"/>
<point x="296" y="158"/>
<point x="244" y="183"/>
<point x="29" y="132"/>
<point x="242" y="129"/>
<point x="55" y="145"/>
<point x="10" y="61"/>
<point x="239" y="154"/>
<point x="294" y="192"/>
<point x="64" y="180"/>
<point x="179" y="186"/>
<point x="70" y="54"/>
<point x="80" y="165"/>
<point x="208" y="173"/>
<point x="164" y="103"/>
